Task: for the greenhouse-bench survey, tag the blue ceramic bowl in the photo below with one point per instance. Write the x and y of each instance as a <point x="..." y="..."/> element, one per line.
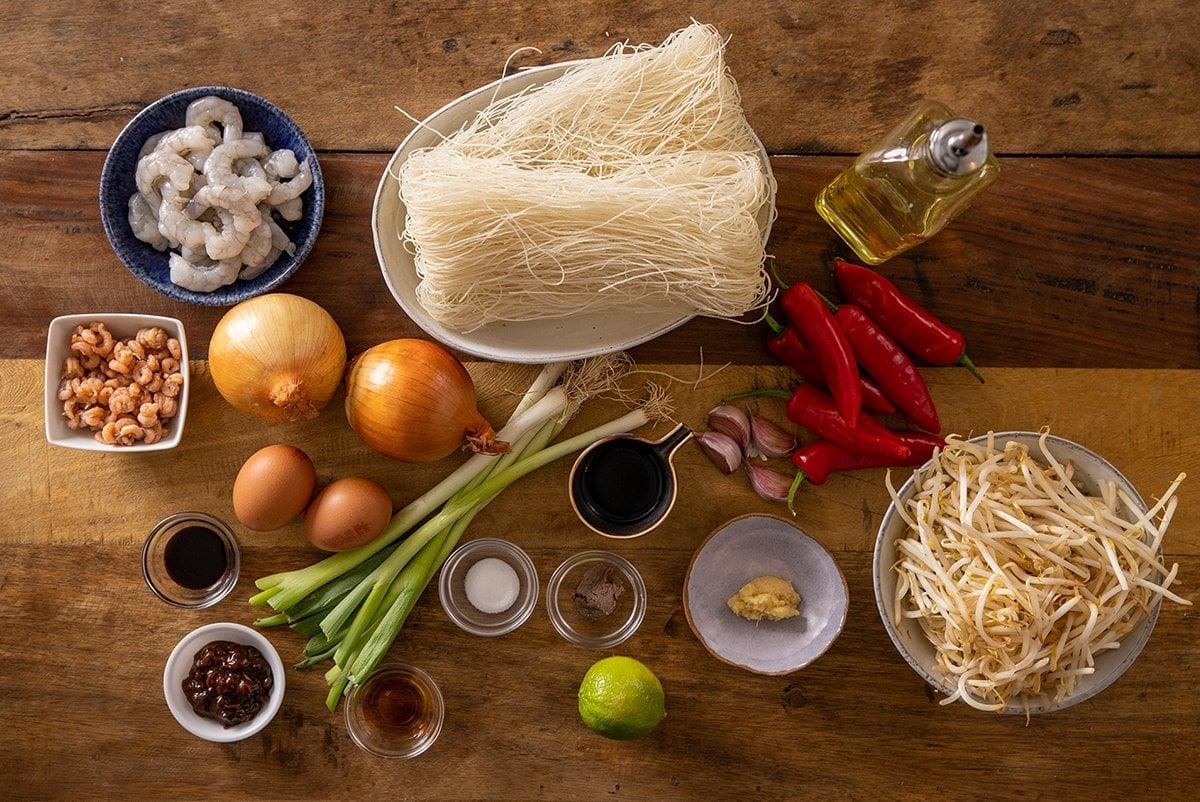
<point x="117" y="184"/>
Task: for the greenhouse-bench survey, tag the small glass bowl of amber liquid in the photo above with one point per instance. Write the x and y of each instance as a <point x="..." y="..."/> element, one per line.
<point x="396" y="713"/>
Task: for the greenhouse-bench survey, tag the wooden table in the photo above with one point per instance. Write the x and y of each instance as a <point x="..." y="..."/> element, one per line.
<point x="1076" y="279"/>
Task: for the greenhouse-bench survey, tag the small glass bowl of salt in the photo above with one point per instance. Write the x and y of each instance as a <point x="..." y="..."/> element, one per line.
<point x="488" y="587"/>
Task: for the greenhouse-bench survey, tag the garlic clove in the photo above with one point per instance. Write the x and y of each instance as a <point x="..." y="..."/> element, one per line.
<point x="722" y="449"/>
<point x="769" y="439"/>
<point x="770" y="483"/>
<point x="729" y="420"/>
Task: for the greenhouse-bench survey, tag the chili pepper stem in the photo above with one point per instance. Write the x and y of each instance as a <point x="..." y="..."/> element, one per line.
<point x="965" y="361"/>
<point x="762" y="392"/>
<point x="774" y="325"/>
<point x="793" y="490"/>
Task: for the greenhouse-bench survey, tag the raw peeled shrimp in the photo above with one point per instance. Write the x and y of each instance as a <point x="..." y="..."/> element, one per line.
<point x="281" y="164"/>
<point x="160" y="167"/>
<point x="203" y="275"/>
<point x="210" y="110"/>
<point x="282" y="191"/>
<point x="219" y="168"/>
<point x="258" y="248"/>
<point x="193" y="143"/>
<point x="180" y="228"/>
<point x="238" y="216"/>
<point x="213" y="194"/>
<point x="144" y="221"/>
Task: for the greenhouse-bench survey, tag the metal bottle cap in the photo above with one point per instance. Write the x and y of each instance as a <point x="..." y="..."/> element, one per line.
<point x="958" y="147"/>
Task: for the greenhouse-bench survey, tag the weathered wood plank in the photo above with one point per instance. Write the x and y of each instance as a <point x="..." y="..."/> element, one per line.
<point x="1064" y="262"/>
<point x="1073" y="77"/>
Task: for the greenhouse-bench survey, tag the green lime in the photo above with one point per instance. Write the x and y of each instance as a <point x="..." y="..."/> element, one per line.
<point x="621" y="698"/>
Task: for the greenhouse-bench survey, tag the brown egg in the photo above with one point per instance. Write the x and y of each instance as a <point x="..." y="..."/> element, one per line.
<point x="347" y="514"/>
<point x="273" y="487"/>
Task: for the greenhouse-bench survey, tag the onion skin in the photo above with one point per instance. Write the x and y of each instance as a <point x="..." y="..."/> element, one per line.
<point x="413" y="401"/>
<point x="278" y="357"/>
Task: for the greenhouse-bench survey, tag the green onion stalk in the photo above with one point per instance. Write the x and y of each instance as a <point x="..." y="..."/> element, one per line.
<point x="352" y="605"/>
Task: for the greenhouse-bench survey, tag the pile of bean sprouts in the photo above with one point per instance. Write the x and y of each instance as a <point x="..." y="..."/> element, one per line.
<point x="1017" y="577"/>
<point x="633" y="181"/>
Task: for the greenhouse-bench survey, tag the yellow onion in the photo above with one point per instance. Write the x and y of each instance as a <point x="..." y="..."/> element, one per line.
<point x="278" y="357"/>
<point x="412" y="400"/>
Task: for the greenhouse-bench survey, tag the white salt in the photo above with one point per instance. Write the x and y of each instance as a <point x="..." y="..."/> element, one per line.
<point x="492" y="585"/>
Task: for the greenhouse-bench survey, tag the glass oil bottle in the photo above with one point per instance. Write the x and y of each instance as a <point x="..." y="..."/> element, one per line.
<point x="905" y="189"/>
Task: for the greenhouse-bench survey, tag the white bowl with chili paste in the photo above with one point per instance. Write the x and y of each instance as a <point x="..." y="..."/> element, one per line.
<point x="179" y="667"/>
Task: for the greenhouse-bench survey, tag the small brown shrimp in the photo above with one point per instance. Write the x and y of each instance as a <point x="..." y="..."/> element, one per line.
<point x="65" y="391"/>
<point x="108" y="433"/>
<point x="168" y="406"/>
<point x="93" y="417"/>
<point x="174" y="348"/>
<point x="142" y="374"/>
<point x="148" y="414"/>
<point x="152" y="434"/>
<point x="90" y="361"/>
<point x="170" y="365"/>
<point x="72" y="369"/>
<point x="172" y="385"/>
<point x="152" y="337"/>
<point x="71" y="412"/>
<point x="122" y="401"/>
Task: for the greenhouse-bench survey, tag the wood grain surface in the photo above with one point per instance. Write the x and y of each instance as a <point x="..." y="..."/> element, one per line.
<point x="1076" y="279"/>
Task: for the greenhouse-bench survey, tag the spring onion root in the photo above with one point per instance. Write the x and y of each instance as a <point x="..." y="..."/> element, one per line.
<point x="1020" y="579"/>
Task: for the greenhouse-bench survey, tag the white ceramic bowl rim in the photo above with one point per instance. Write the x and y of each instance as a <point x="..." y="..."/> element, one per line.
<point x="1110" y="664"/>
<point x="180" y="661"/>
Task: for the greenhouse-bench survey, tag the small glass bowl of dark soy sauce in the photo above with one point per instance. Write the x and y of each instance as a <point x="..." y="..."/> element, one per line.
<point x="191" y="560"/>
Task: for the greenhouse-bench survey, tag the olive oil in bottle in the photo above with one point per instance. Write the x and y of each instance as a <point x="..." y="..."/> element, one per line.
<point x="905" y="189"/>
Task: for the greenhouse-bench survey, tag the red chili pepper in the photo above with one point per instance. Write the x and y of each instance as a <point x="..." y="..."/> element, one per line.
<point x="813" y="320"/>
<point x="818" y="459"/>
<point x="793" y="352"/>
<point x="909" y="324"/>
<point x="886" y="363"/>
<point x="816" y="411"/>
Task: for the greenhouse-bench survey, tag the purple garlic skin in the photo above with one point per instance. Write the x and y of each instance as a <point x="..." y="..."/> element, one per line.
<point x="724" y="452"/>
<point x="770" y="483"/>
<point x="731" y="421"/>
<point x="770" y="440"/>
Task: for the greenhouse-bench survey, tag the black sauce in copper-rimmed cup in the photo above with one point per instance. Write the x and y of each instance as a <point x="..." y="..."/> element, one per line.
<point x="624" y="486"/>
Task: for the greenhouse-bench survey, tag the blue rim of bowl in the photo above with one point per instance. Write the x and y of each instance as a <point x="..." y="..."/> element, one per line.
<point x="117" y="185"/>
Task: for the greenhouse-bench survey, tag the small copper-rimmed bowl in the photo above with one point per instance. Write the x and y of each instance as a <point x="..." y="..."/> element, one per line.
<point x="624" y="486"/>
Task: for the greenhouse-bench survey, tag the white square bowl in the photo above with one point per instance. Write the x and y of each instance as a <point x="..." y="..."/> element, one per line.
<point x="123" y="326"/>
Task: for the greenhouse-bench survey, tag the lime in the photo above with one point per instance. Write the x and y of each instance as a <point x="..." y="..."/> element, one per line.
<point x="621" y="698"/>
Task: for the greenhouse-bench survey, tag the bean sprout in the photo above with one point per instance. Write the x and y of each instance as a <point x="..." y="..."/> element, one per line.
<point x="1017" y="576"/>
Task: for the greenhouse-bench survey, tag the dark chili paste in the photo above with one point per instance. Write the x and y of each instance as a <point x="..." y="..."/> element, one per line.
<point x="229" y="682"/>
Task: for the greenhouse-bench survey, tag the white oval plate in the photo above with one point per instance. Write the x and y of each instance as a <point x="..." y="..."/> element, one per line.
<point x="529" y="342"/>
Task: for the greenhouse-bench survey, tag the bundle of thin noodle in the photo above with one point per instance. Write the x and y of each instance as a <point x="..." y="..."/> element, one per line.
<point x="632" y="182"/>
<point x="1017" y="577"/>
